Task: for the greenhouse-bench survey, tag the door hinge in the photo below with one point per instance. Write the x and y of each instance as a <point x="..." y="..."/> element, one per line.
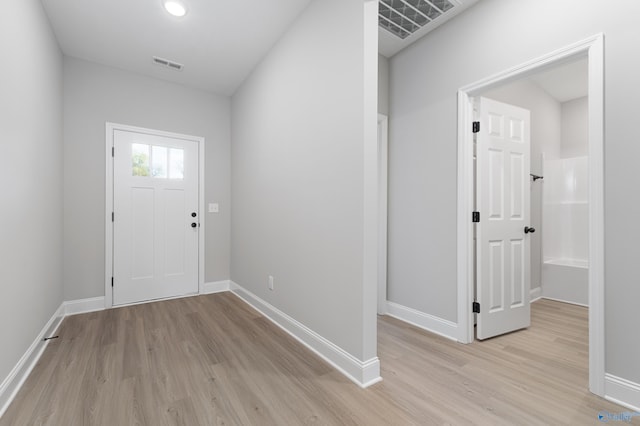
<point x="476" y="127"/>
<point x="476" y="307"/>
<point x="475" y="217"/>
<point x="113" y="217"/>
<point x="111" y="281"/>
<point x="113" y="151"/>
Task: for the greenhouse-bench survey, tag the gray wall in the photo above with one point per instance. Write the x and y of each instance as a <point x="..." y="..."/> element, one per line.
<point x="492" y="36"/>
<point x="546" y="134"/>
<point x="297" y="175"/>
<point x="575" y="128"/>
<point x="31" y="172"/>
<point x="383" y="85"/>
<point x="95" y="94"/>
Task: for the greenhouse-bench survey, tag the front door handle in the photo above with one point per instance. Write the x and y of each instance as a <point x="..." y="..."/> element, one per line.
<point x="528" y="230"/>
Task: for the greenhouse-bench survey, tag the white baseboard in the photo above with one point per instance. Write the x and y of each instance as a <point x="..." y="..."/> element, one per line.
<point x="555" y="299"/>
<point x="93" y="304"/>
<point x="535" y="294"/>
<point x="16" y="378"/>
<point x="82" y="306"/>
<point x="622" y="392"/>
<point x="215" y="287"/>
<point x="427" y="322"/>
<point x="363" y="373"/>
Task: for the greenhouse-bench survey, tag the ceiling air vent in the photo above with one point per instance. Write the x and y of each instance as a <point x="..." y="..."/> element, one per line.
<point x="167" y="63"/>
<point x="404" y="17"/>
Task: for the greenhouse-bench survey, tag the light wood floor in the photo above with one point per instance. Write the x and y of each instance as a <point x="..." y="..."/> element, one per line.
<point x="212" y="360"/>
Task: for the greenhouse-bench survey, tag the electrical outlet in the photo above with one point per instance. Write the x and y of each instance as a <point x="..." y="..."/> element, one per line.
<point x="270" y="282"/>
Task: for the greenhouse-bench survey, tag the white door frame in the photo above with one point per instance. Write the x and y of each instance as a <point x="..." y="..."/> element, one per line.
<point x="383" y="149"/>
<point x="108" y="233"/>
<point x="593" y="48"/>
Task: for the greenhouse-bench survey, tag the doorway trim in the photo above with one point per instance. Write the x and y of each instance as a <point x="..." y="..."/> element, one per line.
<point x="593" y="49"/>
<point x="383" y="170"/>
<point x="108" y="233"/>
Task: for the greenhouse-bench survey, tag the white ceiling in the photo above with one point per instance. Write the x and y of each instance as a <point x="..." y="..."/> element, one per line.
<point x="566" y="82"/>
<point x="218" y="42"/>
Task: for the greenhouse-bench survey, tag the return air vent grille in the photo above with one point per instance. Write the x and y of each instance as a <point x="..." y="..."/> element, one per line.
<point x="167" y="63"/>
<point x="404" y="17"/>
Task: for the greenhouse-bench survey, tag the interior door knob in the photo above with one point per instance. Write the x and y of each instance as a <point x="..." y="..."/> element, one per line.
<point x="193" y="224"/>
<point x="528" y="230"/>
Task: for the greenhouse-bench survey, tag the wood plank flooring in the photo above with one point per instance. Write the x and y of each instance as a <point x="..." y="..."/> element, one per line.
<point x="212" y="360"/>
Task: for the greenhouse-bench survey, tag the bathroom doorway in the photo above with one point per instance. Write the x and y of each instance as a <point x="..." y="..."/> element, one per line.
<point x="549" y="200"/>
<point x="590" y="51"/>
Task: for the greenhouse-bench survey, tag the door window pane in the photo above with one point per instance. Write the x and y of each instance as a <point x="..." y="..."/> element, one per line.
<point x="140" y="159"/>
<point x="159" y="162"/>
<point x="176" y="163"/>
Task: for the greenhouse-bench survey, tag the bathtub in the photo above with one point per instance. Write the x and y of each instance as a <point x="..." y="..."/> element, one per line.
<point x="566" y="280"/>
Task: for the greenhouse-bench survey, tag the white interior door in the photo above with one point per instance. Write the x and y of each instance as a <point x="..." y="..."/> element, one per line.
<point x="156" y="217"/>
<point x="503" y="245"/>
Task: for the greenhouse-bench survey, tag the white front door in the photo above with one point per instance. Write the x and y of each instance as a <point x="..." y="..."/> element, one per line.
<point x="156" y="217"/>
<point x="503" y="194"/>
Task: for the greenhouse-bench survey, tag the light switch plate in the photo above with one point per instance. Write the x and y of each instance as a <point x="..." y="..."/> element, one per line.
<point x="214" y="208"/>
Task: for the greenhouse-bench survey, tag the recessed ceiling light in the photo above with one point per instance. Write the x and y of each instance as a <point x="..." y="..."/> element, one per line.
<point x="176" y="8"/>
